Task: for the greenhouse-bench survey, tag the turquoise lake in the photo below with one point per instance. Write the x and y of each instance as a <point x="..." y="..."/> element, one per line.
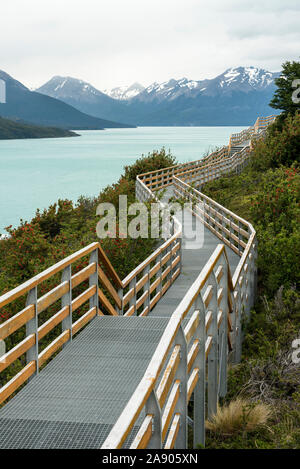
<point x="36" y="173"/>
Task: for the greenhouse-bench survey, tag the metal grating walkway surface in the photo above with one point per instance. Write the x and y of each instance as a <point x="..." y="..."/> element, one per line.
<point x="195" y="254"/>
<point x="78" y="396"/>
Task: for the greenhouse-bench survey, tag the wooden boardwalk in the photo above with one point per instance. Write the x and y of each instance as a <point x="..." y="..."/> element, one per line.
<point x="126" y="379"/>
<point x="70" y="404"/>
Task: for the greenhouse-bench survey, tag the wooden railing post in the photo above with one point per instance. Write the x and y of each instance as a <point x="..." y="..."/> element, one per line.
<point x="152" y="407"/>
<point x="66" y="300"/>
<point x="146" y="271"/>
<point x="32" y="328"/>
<point x="223" y="331"/>
<point x="181" y="406"/>
<point x="121" y="296"/>
<point x="199" y="391"/>
<point x="212" y="371"/>
<point x="132" y="301"/>
<point x="238" y="324"/>
<point x="93" y="280"/>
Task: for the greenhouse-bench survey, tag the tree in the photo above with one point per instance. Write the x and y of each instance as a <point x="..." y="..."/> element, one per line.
<point x="286" y="97"/>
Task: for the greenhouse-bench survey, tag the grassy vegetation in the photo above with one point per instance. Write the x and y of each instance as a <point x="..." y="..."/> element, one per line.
<point x="267" y="193"/>
<point x="15" y="130"/>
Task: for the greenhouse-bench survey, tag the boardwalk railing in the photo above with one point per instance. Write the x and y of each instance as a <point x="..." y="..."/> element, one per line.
<point x="217" y="301"/>
<point x="56" y="304"/>
<point x="44" y="323"/>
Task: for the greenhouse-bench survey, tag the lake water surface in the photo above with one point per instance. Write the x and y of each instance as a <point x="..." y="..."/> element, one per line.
<point x="37" y="172"/>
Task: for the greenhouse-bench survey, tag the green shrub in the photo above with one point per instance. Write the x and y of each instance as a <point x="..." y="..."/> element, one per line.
<point x="152" y="162"/>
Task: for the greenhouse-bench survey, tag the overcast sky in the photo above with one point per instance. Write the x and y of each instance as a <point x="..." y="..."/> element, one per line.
<point x="116" y="42"/>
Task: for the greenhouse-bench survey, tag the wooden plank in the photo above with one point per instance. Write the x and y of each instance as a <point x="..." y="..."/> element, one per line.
<point x="144" y="434"/>
<point x="208" y="295"/>
<point x="113" y="274"/>
<point x="52" y="296"/>
<point x="85" y="319"/>
<point x="170" y="406"/>
<point x="168" y="376"/>
<point x="192" y="381"/>
<point x="130" y="311"/>
<point x="220" y="295"/>
<point x="166" y="272"/>
<point x="145" y="311"/>
<point x="128" y="296"/>
<point x="219" y="318"/>
<point x="106" y="282"/>
<point x="106" y="303"/>
<point x="166" y="287"/>
<point x="141" y="283"/>
<point x="191" y="326"/>
<point x="16" y="352"/>
<point x="142" y="299"/>
<point x="17" y="321"/>
<point x="83" y="274"/>
<point x="9" y="388"/>
<point x="208" y="344"/>
<point x="172" y="435"/>
<point x="154" y="269"/>
<point x="53" y="321"/>
<point x="53" y="347"/>
<point x="208" y="320"/>
<point x="175" y="275"/>
<point x="154" y="285"/>
<point x="86" y="295"/>
<point x="193" y="354"/>
<point x="155" y="300"/>
<point x="219" y="273"/>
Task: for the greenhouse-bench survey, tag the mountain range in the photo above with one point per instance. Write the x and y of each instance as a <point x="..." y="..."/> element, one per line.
<point x="32" y="107"/>
<point x="236" y="97"/>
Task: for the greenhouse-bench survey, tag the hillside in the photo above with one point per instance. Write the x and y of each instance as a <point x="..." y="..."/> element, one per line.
<point x="38" y="109"/>
<point x="14" y="130"/>
<point x="233" y="98"/>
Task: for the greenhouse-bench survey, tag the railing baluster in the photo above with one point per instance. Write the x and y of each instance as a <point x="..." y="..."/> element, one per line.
<point x="146" y="271"/>
<point x="181" y="406"/>
<point x="212" y="372"/>
<point x="132" y="301"/>
<point x="152" y="407"/>
<point x="199" y="391"/>
<point x="66" y="300"/>
<point x="32" y="328"/>
<point x="93" y="280"/>
<point x="223" y="331"/>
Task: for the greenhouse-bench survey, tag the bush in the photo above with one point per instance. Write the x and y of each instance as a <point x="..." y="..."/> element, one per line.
<point x="238" y="416"/>
<point x="152" y="162"/>
<point x="281" y="145"/>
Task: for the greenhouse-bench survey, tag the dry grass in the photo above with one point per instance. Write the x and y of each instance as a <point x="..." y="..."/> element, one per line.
<point x="239" y="416"/>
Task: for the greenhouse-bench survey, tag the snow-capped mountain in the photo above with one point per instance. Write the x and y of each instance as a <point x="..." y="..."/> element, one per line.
<point x="82" y="96"/>
<point x="243" y="79"/>
<point x="124" y="93"/>
<point x="25" y="105"/>
<point x="235" y="97"/>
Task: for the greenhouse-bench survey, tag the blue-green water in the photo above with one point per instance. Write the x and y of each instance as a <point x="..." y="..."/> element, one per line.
<point x="36" y="173"/>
